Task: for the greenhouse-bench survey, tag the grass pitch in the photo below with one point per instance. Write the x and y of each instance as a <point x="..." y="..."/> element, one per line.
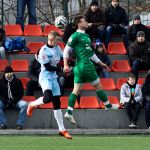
<point x="139" y="142"/>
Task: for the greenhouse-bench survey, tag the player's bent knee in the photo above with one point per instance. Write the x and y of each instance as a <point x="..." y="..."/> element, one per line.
<point x="56" y="102"/>
<point x="48" y="96"/>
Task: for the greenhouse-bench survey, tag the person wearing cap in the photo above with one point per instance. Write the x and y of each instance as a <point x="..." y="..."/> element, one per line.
<point x="139" y="54"/>
<point x="95" y="16"/>
<point x="11" y="93"/>
<point x="117" y="21"/>
<point x="131" y="99"/>
<point x="135" y="27"/>
<point x="49" y="56"/>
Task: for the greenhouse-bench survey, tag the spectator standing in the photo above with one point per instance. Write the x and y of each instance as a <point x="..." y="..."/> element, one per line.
<point x="31" y="5"/>
<point x="131" y="99"/>
<point x="95" y="17"/>
<point x="11" y="93"/>
<point x="139" y="54"/>
<point x="117" y="21"/>
<point x="2" y="43"/>
<point x="135" y="27"/>
<point x="146" y="98"/>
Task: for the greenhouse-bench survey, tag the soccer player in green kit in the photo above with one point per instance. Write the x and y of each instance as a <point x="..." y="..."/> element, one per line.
<point x="84" y="71"/>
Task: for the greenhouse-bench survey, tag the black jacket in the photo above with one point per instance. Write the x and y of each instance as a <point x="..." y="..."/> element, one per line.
<point x="140" y="51"/>
<point x="16" y="90"/>
<point x="34" y="70"/>
<point x="134" y="29"/>
<point x="116" y="16"/>
<point x="2" y="37"/>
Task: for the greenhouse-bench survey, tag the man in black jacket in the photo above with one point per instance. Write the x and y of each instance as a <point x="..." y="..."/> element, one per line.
<point x="11" y="93"/>
<point x="139" y="53"/>
<point x="117" y="21"/>
<point x="2" y="43"/>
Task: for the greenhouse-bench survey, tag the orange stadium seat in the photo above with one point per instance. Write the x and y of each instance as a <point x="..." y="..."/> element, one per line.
<point x="49" y="28"/>
<point x="35" y="46"/>
<point x="13" y="30"/>
<point x="64" y="102"/>
<point x="3" y="64"/>
<point x="62" y="45"/>
<point x="33" y="30"/>
<point x="120" y="82"/>
<point x="24" y="82"/>
<point x="112" y="100"/>
<point x="89" y="102"/>
<point x="141" y="81"/>
<point x="46" y="106"/>
<point x="29" y="98"/>
<point x="121" y="66"/>
<point x="116" y="48"/>
<point x="108" y="83"/>
<point x="20" y="65"/>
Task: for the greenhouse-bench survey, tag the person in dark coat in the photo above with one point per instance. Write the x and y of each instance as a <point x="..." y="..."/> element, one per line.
<point x="117" y="21"/>
<point x="95" y="16"/>
<point x="139" y="54"/>
<point x="146" y="98"/>
<point x="11" y="93"/>
<point x="2" y="43"/>
<point x="135" y="27"/>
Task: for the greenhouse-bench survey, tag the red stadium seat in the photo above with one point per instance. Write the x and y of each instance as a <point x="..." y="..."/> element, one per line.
<point x="29" y="98"/>
<point x="64" y="102"/>
<point x="108" y="84"/>
<point x="49" y="28"/>
<point x="141" y="81"/>
<point x="121" y="66"/>
<point x="120" y="82"/>
<point x="89" y="102"/>
<point x="87" y="86"/>
<point x="20" y="65"/>
<point x="35" y="46"/>
<point x="116" y="48"/>
<point x="112" y="100"/>
<point x="46" y="106"/>
<point x="33" y="30"/>
<point x="13" y="30"/>
<point x="3" y="64"/>
<point x="24" y="82"/>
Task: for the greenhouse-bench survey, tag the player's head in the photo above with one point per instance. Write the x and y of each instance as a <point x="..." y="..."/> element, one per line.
<point x="80" y="22"/>
<point x="53" y="38"/>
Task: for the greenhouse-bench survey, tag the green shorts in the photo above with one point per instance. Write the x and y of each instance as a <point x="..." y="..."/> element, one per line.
<point x="85" y="72"/>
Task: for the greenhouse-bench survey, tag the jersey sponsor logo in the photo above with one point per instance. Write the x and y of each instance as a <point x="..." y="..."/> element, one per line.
<point x="70" y="40"/>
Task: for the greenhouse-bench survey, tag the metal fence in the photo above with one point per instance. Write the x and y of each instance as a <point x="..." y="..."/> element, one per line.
<point x="44" y="15"/>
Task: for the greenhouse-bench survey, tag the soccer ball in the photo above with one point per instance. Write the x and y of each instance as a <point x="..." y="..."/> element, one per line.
<point x="61" y="22"/>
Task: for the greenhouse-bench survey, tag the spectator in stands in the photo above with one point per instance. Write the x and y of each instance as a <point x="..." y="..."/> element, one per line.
<point x="146" y="98"/>
<point x="2" y="43"/>
<point x="131" y="99"/>
<point x="95" y="17"/>
<point x="135" y="27"/>
<point x="11" y="93"/>
<point x="139" y="54"/>
<point x="49" y="57"/>
<point x="117" y="21"/>
<point x="31" y="5"/>
<point x="102" y="55"/>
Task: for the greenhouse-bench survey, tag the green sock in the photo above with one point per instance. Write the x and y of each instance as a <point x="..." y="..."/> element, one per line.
<point x="102" y="96"/>
<point x="72" y="100"/>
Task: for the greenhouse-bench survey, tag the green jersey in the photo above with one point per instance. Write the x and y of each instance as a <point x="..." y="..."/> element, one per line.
<point x="84" y="70"/>
<point x="81" y="44"/>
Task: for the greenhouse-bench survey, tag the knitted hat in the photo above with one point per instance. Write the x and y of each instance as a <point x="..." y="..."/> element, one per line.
<point x="8" y="69"/>
<point x="94" y="2"/>
<point x="140" y="33"/>
<point x="136" y="17"/>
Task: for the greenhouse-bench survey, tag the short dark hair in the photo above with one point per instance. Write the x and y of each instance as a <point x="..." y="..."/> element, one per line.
<point x="131" y="76"/>
<point x="77" y="20"/>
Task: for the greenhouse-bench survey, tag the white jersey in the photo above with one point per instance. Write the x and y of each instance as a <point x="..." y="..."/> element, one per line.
<point x="49" y="55"/>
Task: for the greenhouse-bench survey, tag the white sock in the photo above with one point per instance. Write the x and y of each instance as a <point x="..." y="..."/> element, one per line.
<point x="59" y="119"/>
<point x="70" y="108"/>
<point x="37" y="102"/>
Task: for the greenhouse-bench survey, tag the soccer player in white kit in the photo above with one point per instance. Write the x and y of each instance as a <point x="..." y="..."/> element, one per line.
<point x="49" y="56"/>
